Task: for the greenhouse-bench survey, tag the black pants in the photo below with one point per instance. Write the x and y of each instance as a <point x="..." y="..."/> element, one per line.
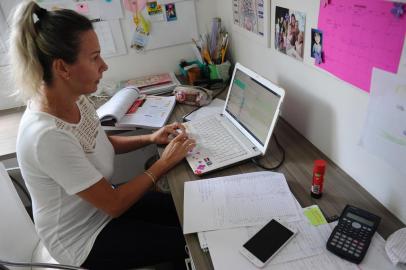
<point x="148" y="233"/>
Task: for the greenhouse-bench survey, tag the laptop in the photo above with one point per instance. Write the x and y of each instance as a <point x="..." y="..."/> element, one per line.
<point x="243" y="130"/>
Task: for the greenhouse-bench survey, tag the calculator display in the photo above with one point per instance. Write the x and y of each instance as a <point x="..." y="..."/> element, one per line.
<point x="360" y="219"/>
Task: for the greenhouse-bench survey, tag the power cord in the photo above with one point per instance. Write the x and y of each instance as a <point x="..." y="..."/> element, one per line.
<point x="282" y="151"/>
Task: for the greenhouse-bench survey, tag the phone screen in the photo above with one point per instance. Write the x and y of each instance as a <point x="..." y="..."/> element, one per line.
<point x="268" y="240"/>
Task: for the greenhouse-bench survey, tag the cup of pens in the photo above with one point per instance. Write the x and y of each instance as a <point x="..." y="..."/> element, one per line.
<point x="212" y="50"/>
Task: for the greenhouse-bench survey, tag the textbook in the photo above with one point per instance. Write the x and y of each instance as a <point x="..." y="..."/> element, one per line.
<point x="128" y="109"/>
<point x="153" y="84"/>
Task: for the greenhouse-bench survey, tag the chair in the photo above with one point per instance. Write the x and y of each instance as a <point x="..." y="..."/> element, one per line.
<point x="20" y="246"/>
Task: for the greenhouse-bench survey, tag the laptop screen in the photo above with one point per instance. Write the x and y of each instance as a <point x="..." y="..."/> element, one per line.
<point x="252" y="105"/>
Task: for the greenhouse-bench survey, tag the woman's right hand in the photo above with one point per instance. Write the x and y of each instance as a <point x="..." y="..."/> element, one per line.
<point x="177" y="149"/>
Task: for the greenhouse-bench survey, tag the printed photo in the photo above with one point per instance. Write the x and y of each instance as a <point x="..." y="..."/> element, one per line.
<point x="289" y="32"/>
<point x="170" y="12"/>
<point x="153" y="8"/>
<point x="317" y="46"/>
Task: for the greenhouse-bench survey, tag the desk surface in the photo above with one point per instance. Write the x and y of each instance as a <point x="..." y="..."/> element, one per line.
<point x="339" y="189"/>
<point x="9" y="121"/>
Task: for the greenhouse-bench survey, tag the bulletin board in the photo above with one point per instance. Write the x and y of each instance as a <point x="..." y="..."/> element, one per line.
<point x="105" y="16"/>
<point x="166" y="33"/>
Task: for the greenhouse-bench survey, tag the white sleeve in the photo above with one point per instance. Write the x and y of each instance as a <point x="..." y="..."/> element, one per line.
<point x="62" y="158"/>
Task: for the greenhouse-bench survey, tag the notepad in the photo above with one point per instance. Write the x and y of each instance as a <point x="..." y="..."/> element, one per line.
<point x="129" y="109"/>
<point x="314" y="215"/>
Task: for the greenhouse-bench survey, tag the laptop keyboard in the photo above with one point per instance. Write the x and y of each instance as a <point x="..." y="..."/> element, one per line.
<point x="215" y="142"/>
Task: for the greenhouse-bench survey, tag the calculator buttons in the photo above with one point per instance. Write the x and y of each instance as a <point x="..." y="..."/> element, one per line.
<point x="356" y="225"/>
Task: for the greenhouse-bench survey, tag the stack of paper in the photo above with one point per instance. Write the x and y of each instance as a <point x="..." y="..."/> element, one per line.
<point x="236" y="201"/>
<point x="233" y="208"/>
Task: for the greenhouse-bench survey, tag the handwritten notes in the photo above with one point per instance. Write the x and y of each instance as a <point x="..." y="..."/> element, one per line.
<point x="360" y="35"/>
<point x="238" y="200"/>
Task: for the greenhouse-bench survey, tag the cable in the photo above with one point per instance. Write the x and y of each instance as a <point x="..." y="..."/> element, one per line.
<point x="42" y="265"/>
<point x="256" y="162"/>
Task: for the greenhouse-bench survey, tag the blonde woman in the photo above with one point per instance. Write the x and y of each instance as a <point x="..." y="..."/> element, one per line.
<point x="67" y="160"/>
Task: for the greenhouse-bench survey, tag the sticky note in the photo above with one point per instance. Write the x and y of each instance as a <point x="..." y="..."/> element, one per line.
<point x="314" y="215"/>
<point x="82" y="8"/>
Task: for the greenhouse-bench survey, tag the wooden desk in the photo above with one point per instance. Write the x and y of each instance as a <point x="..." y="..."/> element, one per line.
<point x="340" y="189"/>
<point x="9" y="121"/>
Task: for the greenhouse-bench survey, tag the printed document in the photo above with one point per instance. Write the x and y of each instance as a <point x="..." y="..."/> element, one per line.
<point x="236" y="201"/>
<point x="306" y="251"/>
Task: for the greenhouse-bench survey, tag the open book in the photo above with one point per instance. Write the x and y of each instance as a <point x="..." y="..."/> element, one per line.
<point x="153" y="84"/>
<point x="128" y="108"/>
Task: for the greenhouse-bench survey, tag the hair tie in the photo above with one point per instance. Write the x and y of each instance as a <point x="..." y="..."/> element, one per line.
<point x="41" y="12"/>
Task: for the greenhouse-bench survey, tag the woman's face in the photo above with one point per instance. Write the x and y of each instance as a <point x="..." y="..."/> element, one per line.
<point x="317" y="39"/>
<point x="87" y="71"/>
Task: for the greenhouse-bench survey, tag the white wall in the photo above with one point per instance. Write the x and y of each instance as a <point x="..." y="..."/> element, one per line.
<point x="329" y="112"/>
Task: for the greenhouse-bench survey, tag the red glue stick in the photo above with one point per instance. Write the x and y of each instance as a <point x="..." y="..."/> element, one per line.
<point x="318" y="178"/>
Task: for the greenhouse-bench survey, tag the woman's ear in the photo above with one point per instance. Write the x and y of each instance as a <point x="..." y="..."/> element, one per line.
<point x="61" y="69"/>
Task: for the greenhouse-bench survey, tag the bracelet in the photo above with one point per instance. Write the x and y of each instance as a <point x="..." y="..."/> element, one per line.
<point x="151" y="175"/>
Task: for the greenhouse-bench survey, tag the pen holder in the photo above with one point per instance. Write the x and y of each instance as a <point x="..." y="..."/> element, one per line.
<point x="220" y="71"/>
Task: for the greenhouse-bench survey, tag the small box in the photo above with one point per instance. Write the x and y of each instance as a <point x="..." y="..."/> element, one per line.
<point x="186" y="65"/>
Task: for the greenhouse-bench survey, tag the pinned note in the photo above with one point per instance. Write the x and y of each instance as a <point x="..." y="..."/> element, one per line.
<point x="82" y="8"/>
<point x="134" y="5"/>
<point x="314" y="215"/>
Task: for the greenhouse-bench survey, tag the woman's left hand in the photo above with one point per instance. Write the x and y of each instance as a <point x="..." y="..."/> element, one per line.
<point x="161" y="136"/>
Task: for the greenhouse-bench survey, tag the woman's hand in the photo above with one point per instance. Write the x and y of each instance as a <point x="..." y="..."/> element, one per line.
<point x="161" y="136"/>
<point x="177" y="149"/>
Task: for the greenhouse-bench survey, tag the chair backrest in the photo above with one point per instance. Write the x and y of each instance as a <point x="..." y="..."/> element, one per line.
<point x="18" y="238"/>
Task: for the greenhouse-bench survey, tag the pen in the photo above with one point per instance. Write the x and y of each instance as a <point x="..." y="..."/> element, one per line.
<point x="206" y="56"/>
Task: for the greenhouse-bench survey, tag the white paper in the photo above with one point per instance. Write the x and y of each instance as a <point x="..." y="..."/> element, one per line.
<point x="376" y="257"/>
<point x="153" y="114"/>
<point x="57" y="4"/>
<point x="224" y="252"/>
<point x="105" y="35"/>
<point x="396" y="246"/>
<point x="3" y="39"/>
<point x="384" y="133"/>
<point x="236" y="201"/>
<point x="117" y="105"/>
<point x="215" y="107"/>
<point x="110" y="10"/>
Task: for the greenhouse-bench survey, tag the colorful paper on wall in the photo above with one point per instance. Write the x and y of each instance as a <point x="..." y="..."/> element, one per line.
<point x="134" y="5"/>
<point x="384" y="134"/>
<point x="360" y="35"/>
<point x="249" y="14"/>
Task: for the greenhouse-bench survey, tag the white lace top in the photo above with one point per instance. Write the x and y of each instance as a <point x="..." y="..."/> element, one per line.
<point x="58" y="160"/>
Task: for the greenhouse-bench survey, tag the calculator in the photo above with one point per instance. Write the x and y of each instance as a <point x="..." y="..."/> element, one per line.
<point x="351" y="237"/>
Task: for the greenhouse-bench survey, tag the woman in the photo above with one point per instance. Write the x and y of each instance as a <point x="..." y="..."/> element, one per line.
<point x="67" y="160"/>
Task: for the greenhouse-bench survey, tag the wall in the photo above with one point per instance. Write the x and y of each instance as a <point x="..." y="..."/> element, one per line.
<point x="329" y="112"/>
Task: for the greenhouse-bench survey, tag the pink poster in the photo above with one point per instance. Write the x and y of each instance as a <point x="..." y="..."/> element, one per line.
<point x="359" y="35"/>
